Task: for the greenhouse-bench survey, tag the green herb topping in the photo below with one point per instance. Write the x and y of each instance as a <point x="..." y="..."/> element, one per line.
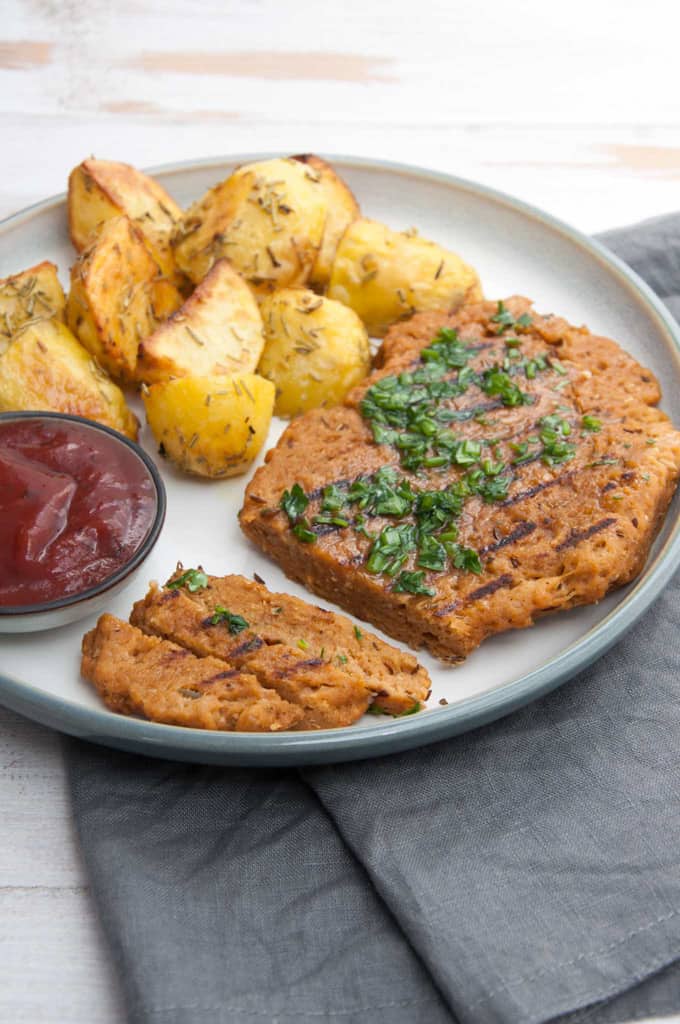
<point x="294" y="502"/>
<point x="415" y="414"/>
<point x="553" y="433"/>
<point x="235" y="623"/>
<point x="506" y="320"/>
<point x="408" y="411"/>
<point x="410" y="711"/>
<point x="412" y="583"/>
<point x="375" y="709"/>
<point x="192" y="579"/>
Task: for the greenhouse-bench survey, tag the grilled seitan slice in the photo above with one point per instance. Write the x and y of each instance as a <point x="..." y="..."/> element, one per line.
<point x="528" y="471"/>
<point x="143" y="675"/>
<point x="312" y="657"/>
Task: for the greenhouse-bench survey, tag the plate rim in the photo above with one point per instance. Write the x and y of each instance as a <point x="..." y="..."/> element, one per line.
<point x="349" y="743"/>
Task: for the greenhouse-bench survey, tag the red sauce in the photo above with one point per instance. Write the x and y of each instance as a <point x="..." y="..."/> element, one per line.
<point x="75" y="505"/>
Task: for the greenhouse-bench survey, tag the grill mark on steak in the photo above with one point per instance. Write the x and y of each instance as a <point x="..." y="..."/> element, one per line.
<point x="489" y="588"/>
<point x="447" y="609"/>
<point x="308" y="663"/>
<point x="246" y="647"/>
<point x="467" y="412"/>
<point x="521" y="530"/>
<point x="229" y="674"/>
<point x="576" y="536"/>
<point x="537" y="488"/>
<point x="173" y="655"/>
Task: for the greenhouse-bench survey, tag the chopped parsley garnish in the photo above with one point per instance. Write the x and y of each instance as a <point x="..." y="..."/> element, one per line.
<point x="327" y="520"/>
<point x="408" y="412"/>
<point x="375" y="709"/>
<point x="506" y="320"/>
<point x="333" y="499"/>
<point x="294" y="502"/>
<point x="465" y="558"/>
<point x="410" y="711"/>
<point x="235" y="623"/>
<point x="412" y="583"/>
<point x="358" y="634"/>
<point x="496" y="382"/>
<point x="591" y="424"/>
<point x="391" y="549"/>
<point x="303" y="645"/>
<point x="553" y="433"/>
<point x="192" y="579"/>
<point x="302" y="531"/>
<point x="467" y="452"/>
<point x="490" y="488"/>
<point x="431" y="555"/>
<point x="413" y="414"/>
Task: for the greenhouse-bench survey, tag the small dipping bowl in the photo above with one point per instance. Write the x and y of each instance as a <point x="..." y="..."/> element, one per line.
<point x="117" y="452"/>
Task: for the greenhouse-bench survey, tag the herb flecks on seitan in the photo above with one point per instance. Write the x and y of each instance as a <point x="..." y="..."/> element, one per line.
<point x="416" y="414"/>
<point x="192" y="579"/>
<point x="234" y="623"/>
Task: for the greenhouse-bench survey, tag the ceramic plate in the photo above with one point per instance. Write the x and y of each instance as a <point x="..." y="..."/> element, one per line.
<point x="516" y="249"/>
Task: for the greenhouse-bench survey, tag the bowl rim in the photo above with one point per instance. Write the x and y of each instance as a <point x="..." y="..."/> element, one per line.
<point x="144" y="549"/>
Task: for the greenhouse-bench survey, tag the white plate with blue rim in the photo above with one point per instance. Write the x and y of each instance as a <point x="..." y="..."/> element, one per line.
<point x="516" y="249"/>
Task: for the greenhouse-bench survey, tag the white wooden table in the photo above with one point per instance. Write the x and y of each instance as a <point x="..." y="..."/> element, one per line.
<point x="573" y="107"/>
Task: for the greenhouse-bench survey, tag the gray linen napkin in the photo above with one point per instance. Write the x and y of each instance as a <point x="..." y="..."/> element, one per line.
<point x="522" y="872"/>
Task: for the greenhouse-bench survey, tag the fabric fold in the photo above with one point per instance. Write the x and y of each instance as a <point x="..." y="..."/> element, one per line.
<point x="228" y="895"/>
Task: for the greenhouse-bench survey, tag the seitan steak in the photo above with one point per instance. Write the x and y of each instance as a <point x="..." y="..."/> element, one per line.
<point x="311" y="657"/>
<point x="144" y="675"/>
<point x="498" y="465"/>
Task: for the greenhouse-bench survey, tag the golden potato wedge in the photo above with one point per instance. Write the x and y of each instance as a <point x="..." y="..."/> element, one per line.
<point x="217" y="330"/>
<point x="211" y="426"/>
<point x="267" y="219"/>
<point x="118" y="297"/>
<point x="46" y="369"/>
<point x="34" y="294"/>
<point x="341" y="210"/>
<point x="386" y="275"/>
<point x="315" y="350"/>
<point x="101" y="189"/>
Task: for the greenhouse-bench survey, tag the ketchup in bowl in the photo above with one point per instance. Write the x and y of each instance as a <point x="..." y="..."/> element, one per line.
<point x="77" y="502"/>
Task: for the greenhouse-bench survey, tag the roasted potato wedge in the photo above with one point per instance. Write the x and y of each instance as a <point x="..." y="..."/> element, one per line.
<point x="315" y="350"/>
<point x="118" y="297"/>
<point x="386" y="275"/>
<point x="341" y="210"/>
<point x="101" y="189"/>
<point x="267" y="219"/>
<point x="217" y="330"/>
<point x="45" y="368"/>
<point x="34" y="294"/>
<point x="211" y="426"/>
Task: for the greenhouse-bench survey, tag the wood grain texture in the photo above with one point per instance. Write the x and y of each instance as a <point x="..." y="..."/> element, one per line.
<point x="572" y="107"/>
<point x="268" y="65"/>
<point x="21" y="55"/>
